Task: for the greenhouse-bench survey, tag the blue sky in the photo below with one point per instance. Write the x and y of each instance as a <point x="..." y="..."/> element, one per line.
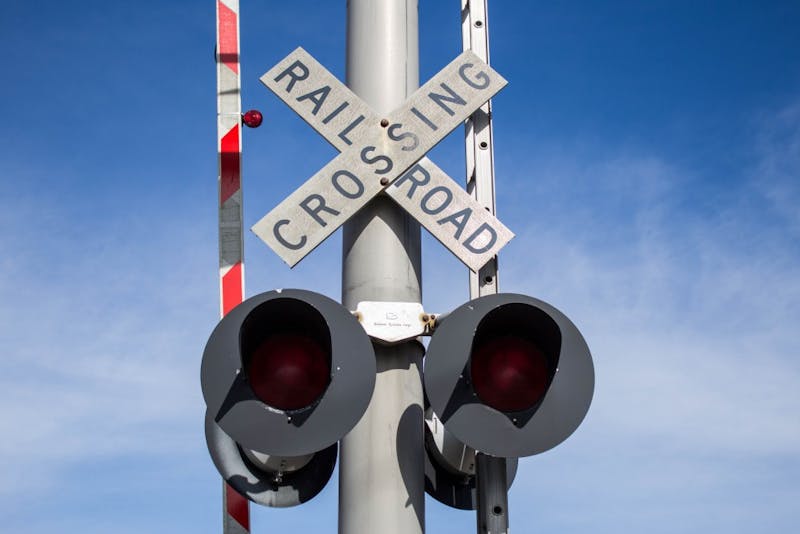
<point x="648" y="160"/>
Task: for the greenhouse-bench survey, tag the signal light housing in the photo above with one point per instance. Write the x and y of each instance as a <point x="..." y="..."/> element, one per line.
<point x="519" y="385"/>
<point x="450" y="467"/>
<point x="268" y="485"/>
<point x="285" y="375"/>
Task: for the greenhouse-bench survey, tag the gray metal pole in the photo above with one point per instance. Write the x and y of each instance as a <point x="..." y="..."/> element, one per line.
<point x="492" y="512"/>
<point x="490" y="476"/>
<point x="381" y="469"/>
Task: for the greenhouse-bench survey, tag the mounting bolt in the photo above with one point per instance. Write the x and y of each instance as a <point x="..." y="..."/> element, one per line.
<point x="384" y="181"/>
<point x="384" y="122"/>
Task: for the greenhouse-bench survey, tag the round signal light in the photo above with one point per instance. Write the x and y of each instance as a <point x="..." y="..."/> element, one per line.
<point x="289" y="371"/>
<point x="252" y="118"/>
<point x="509" y="373"/>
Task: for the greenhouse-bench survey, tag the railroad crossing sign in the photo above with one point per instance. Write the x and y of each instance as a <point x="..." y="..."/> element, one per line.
<point x="383" y="154"/>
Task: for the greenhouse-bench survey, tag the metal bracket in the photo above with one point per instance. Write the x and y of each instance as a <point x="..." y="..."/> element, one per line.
<point x="394" y="322"/>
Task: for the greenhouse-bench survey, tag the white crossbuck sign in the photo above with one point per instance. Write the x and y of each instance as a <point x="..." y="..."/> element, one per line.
<point x="383" y="154"/>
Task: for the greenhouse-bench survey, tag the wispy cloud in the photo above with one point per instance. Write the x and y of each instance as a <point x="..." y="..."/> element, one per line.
<point x="689" y="305"/>
<point x="778" y="172"/>
<point x="688" y="302"/>
<point x="101" y="340"/>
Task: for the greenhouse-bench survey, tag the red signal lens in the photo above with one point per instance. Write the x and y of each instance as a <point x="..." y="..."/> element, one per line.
<point x="289" y="371"/>
<point x="252" y="118"/>
<point x="509" y="373"/>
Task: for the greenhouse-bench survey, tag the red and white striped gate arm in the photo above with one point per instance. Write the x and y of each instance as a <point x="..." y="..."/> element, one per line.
<point x="236" y="515"/>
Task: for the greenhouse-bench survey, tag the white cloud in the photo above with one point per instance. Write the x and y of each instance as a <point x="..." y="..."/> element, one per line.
<point x="690" y="314"/>
<point x="690" y="309"/>
<point x="778" y="172"/>
<point x="693" y="334"/>
<point x="101" y="342"/>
